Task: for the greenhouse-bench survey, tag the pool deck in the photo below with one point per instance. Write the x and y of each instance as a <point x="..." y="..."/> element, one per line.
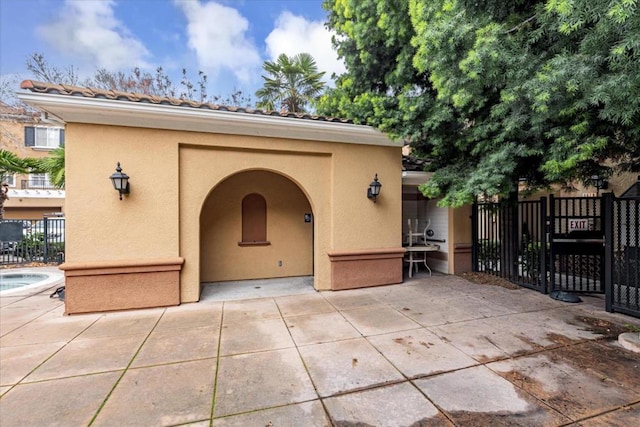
<point x="55" y="276"/>
<point x="433" y="351"/>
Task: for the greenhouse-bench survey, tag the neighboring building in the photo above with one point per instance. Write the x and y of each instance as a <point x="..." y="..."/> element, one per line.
<point x="616" y="184"/>
<point x="28" y="134"/>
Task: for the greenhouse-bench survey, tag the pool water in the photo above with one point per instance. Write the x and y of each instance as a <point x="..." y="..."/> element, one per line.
<point x="14" y="281"/>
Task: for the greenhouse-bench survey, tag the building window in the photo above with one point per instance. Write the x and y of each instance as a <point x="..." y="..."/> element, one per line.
<point x="43" y="137"/>
<point x="254" y="221"/>
<point x="10" y="179"/>
<point x="39" y="180"/>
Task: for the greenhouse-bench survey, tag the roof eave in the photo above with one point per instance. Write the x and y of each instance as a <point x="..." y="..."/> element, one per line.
<point x="77" y="109"/>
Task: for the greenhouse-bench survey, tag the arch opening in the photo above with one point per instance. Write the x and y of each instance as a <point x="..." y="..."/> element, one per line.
<point x="256" y="224"/>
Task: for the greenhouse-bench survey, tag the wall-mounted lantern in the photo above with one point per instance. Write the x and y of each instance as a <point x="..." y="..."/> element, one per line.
<point x="374" y="189"/>
<point x="599" y="182"/>
<point x="120" y="181"/>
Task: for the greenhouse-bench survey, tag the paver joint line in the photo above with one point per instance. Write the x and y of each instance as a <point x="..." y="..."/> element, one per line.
<point x="115" y="385"/>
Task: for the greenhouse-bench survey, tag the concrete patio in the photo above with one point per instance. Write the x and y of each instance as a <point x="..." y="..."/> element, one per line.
<point x="433" y="351"/>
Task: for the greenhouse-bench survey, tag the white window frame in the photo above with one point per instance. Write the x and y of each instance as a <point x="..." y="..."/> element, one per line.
<point x="10" y="178"/>
<point x="51" y="141"/>
<point x="39" y="180"/>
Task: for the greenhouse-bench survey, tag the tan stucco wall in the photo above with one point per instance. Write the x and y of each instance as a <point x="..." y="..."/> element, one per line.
<point x="173" y="174"/>
<point x="32" y="208"/>
<point x="334" y="177"/>
<point x="290" y="248"/>
<point x="100" y="227"/>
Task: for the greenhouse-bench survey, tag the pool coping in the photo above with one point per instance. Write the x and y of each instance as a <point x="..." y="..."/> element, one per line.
<point x="53" y="277"/>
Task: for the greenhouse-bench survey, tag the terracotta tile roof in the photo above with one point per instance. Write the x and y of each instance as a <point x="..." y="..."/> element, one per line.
<point x="59" y="89"/>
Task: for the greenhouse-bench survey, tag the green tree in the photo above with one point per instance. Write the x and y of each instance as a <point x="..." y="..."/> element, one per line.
<point x="491" y="92"/>
<point x="291" y="83"/>
<point x="54" y="166"/>
<point x="9" y="165"/>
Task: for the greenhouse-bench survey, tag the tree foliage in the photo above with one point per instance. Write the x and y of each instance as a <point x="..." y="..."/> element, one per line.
<point x="11" y="164"/>
<point x="491" y="92"/>
<point x="292" y="83"/>
<point x="54" y="166"/>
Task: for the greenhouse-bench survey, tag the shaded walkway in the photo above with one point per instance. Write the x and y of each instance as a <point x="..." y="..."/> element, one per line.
<point x="260" y="288"/>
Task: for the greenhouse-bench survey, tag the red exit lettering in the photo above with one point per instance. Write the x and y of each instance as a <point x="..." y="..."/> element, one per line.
<point x="578" y="224"/>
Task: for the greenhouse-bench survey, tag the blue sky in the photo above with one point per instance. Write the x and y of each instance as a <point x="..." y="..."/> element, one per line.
<point x="227" y="39"/>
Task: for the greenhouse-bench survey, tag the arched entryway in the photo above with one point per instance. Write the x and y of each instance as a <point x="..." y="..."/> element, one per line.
<point x="255" y="224"/>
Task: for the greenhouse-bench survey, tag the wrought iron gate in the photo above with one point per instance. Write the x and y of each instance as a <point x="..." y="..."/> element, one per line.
<point x="576" y="237"/>
<point x="570" y="244"/>
<point x="622" y="253"/>
<point x="510" y="241"/>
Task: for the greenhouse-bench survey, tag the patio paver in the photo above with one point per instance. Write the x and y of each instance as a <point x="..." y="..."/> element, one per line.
<point x="168" y="394"/>
<point x="301" y="414"/>
<point x="312" y="329"/>
<point x="420" y="353"/>
<point x="432" y="351"/>
<point x="348" y="365"/>
<point x="72" y="360"/>
<point x="553" y="381"/>
<point x="168" y="346"/>
<point x="62" y="402"/>
<point x="378" y="320"/>
<point x="501" y="403"/>
<point x="408" y="407"/>
<point x="255" y="381"/>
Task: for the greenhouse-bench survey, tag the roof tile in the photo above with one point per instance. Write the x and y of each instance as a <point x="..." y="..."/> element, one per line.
<point x="68" y="90"/>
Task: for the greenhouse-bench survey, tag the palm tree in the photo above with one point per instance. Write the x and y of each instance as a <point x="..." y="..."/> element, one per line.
<point x="10" y="164"/>
<point x="291" y="83"/>
<point x="54" y="166"/>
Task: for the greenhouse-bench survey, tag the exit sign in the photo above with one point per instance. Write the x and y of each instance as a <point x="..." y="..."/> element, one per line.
<point x="578" y="224"/>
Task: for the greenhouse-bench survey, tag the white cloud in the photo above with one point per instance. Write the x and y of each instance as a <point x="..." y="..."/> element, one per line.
<point x="218" y="35"/>
<point x="294" y="34"/>
<point x="88" y="31"/>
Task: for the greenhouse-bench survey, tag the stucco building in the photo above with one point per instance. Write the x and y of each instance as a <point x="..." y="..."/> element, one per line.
<point x="217" y="194"/>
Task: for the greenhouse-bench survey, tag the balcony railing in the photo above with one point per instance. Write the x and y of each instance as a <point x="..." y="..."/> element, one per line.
<point x="37" y="184"/>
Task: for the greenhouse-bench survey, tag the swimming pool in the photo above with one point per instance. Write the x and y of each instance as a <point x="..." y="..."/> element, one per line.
<point x="14" y="282"/>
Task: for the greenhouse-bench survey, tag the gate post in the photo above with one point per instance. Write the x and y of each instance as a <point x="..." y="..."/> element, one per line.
<point x="516" y="221"/>
<point x="606" y="213"/>
<point x="45" y="242"/>
<point x="552" y="254"/>
<point x="544" y="253"/>
<point x="474" y="236"/>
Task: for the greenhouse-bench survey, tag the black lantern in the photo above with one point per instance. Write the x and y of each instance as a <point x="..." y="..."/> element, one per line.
<point x="599" y="182"/>
<point x="120" y="181"/>
<point x="374" y="189"/>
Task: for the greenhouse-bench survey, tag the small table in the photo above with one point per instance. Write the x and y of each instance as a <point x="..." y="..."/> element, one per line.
<point x="419" y="249"/>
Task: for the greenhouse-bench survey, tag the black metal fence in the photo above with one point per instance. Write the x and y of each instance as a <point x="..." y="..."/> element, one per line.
<point x="32" y="240"/>
<point x="510" y="241"/>
<point x="567" y="245"/>
<point x="623" y="254"/>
